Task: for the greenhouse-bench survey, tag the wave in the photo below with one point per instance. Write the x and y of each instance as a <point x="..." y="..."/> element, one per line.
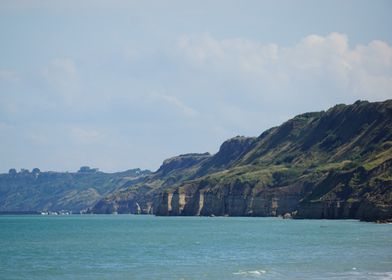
<point x="251" y="273"/>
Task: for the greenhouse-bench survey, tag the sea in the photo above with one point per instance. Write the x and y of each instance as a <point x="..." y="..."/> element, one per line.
<point x="148" y="247"/>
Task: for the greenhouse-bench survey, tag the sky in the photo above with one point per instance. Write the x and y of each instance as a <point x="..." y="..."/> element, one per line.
<point x="126" y="84"/>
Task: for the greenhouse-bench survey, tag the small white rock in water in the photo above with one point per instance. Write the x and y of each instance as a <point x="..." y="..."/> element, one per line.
<point x="354" y="268"/>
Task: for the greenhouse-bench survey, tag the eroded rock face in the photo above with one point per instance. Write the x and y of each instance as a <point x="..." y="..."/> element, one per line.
<point x="363" y="211"/>
<point x="351" y="194"/>
<point x="232" y="200"/>
<point x="354" y="194"/>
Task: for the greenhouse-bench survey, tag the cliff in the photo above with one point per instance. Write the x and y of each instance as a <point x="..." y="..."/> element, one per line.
<point x="329" y="164"/>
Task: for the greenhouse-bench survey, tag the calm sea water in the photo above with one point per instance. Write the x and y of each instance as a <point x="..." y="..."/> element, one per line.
<point x="147" y="247"/>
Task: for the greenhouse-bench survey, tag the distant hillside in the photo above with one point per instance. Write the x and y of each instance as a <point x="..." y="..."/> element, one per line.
<point x="329" y="164"/>
<point x="55" y="191"/>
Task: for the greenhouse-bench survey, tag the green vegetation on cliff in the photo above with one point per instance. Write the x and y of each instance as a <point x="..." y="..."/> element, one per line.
<point x="329" y="164"/>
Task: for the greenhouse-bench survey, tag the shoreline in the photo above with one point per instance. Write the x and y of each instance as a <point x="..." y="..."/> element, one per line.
<point x="39" y="213"/>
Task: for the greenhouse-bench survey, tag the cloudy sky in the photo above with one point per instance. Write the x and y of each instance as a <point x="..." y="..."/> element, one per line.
<point x="124" y="84"/>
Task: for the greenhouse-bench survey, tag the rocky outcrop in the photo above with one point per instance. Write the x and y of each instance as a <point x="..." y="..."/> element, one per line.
<point x="237" y="199"/>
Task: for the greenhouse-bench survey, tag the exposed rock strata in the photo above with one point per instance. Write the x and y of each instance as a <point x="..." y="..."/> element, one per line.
<point x="333" y="164"/>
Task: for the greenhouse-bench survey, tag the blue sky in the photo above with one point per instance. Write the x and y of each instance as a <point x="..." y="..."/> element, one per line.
<point x="124" y="84"/>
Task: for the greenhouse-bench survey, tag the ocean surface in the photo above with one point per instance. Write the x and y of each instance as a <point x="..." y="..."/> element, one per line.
<point x="148" y="247"/>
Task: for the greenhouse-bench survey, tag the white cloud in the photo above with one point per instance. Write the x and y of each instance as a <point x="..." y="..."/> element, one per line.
<point x="182" y="98"/>
<point x="316" y="67"/>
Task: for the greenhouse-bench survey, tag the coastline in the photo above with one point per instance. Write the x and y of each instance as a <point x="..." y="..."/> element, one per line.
<point x="39" y="213"/>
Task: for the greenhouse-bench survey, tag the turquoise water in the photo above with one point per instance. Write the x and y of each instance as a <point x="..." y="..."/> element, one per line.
<point x="148" y="247"/>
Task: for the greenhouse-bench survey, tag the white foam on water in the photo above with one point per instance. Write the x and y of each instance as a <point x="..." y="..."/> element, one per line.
<point x="252" y="273"/>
